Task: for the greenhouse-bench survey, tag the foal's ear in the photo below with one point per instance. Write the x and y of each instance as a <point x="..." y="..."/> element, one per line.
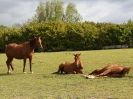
<point x="74" y="54"/>
<point x="77" y="54"/>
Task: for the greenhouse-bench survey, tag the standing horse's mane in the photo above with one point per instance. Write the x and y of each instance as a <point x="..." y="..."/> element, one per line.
<point x="32" y="42"/>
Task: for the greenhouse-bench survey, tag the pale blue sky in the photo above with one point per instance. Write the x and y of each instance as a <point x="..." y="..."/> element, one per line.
<point x="116" y="11"/>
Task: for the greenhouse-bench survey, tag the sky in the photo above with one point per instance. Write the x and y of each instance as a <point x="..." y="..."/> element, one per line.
<point x="115" y="11"/>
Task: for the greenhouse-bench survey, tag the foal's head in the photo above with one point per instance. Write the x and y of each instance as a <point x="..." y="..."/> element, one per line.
<point x="76" y="56"/>
<point x="36" y="42"/>
<point x="77" y="60"/>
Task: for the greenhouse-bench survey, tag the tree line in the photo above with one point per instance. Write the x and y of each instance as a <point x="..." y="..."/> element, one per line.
<point x="62" y="29"/>
<point x="59" y="36"/>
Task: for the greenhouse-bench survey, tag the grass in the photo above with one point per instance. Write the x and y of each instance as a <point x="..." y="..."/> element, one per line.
<point x="44" y="85"/>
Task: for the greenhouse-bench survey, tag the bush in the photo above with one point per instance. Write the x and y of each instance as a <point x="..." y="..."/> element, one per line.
<point x="59" y="36"/>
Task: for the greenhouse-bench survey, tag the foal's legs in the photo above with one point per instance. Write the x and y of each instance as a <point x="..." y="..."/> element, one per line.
<point x="9" y="63"/>
<point x="24" y="65"/>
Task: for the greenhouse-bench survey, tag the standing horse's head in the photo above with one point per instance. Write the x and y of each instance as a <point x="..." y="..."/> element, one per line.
<point x="36" y="42"/>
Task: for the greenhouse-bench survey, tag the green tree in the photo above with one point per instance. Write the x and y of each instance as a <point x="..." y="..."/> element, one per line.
<point x="51" y="10"/>
<point x="71" y="13"/>
<point x="59" y="10"/>
<point x="40" y="13"/>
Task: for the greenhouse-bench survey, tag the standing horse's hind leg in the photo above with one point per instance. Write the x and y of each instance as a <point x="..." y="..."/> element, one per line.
<point x="12" y="66"/>
<point x="8" y="66"/>
<point x="8" y="62"/>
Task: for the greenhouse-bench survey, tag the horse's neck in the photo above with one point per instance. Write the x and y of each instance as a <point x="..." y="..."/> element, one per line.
<point x="77" y="61"/>
<point x="31" y="48"/>
<point x="32" y="44"/>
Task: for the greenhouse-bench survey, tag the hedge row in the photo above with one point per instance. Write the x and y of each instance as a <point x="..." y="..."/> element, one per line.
<point x="59" y="36"/>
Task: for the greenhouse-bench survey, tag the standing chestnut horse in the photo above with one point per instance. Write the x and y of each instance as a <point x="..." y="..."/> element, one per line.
<point x="22" y="51"/>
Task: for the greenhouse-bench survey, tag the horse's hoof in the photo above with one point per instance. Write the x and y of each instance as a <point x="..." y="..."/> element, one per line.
<point x="9" y="72"/>
<point x="31" y="72"/>
<point x="24" y="72"/>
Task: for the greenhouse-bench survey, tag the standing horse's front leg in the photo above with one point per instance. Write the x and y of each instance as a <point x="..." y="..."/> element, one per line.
<point x="30" y="61"/>
<point x="24" y="65"/>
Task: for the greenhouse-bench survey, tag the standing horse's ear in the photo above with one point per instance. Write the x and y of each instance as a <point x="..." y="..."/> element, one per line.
<point x="35" y="37"/>
<point x="38" y="37"/>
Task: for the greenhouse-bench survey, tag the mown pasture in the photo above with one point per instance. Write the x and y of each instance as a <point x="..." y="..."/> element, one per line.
<point x="42" y="84"/>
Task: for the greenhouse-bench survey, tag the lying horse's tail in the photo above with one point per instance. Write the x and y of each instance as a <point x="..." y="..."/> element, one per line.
<point x="60" y="70"/>
<point x="55" y="72"/>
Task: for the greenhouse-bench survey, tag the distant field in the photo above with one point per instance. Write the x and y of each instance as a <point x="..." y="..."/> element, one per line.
<point x="44" y="85"/>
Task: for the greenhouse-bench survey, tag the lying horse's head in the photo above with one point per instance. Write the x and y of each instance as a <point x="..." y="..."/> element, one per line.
<point x="126" y="70"/>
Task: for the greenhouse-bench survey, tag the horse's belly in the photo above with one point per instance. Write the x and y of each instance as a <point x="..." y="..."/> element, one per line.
<point x="68" y="69"/>
<point x="19" y="57"/>
<point x="16" y="53"/>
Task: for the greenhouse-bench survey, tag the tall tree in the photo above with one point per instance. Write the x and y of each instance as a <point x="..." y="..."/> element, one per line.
<point x="59" y="10"/>
<point x="71" y="14"/>
<point x="50" y="10"/>
<point x="53" y="10"/>
<point x="40" y="13"/>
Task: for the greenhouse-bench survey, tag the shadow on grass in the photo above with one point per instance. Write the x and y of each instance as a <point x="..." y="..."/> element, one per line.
<point x="5" y="74"/>
<point x="59" y="74"/>
<point x="13" y="74"/>
<point x="129" y="76"/>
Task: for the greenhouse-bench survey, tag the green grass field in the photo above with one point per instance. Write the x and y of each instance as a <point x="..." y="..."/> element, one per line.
<point x="44" y="85"/>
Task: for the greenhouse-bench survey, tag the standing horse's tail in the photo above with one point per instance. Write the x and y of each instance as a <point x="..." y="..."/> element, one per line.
<point x="5" y="47"/>
<point x="55" y="72"/>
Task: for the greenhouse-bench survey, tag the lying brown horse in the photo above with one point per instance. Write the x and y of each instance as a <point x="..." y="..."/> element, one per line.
<point x="22" y="51"/>
<point x="111" y="71"/>
<point x="71" y="68"/>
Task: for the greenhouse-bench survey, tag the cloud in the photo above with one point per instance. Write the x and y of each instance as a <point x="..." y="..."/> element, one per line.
<point x="16" y="11"/>
<point x="117" y="11"/>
